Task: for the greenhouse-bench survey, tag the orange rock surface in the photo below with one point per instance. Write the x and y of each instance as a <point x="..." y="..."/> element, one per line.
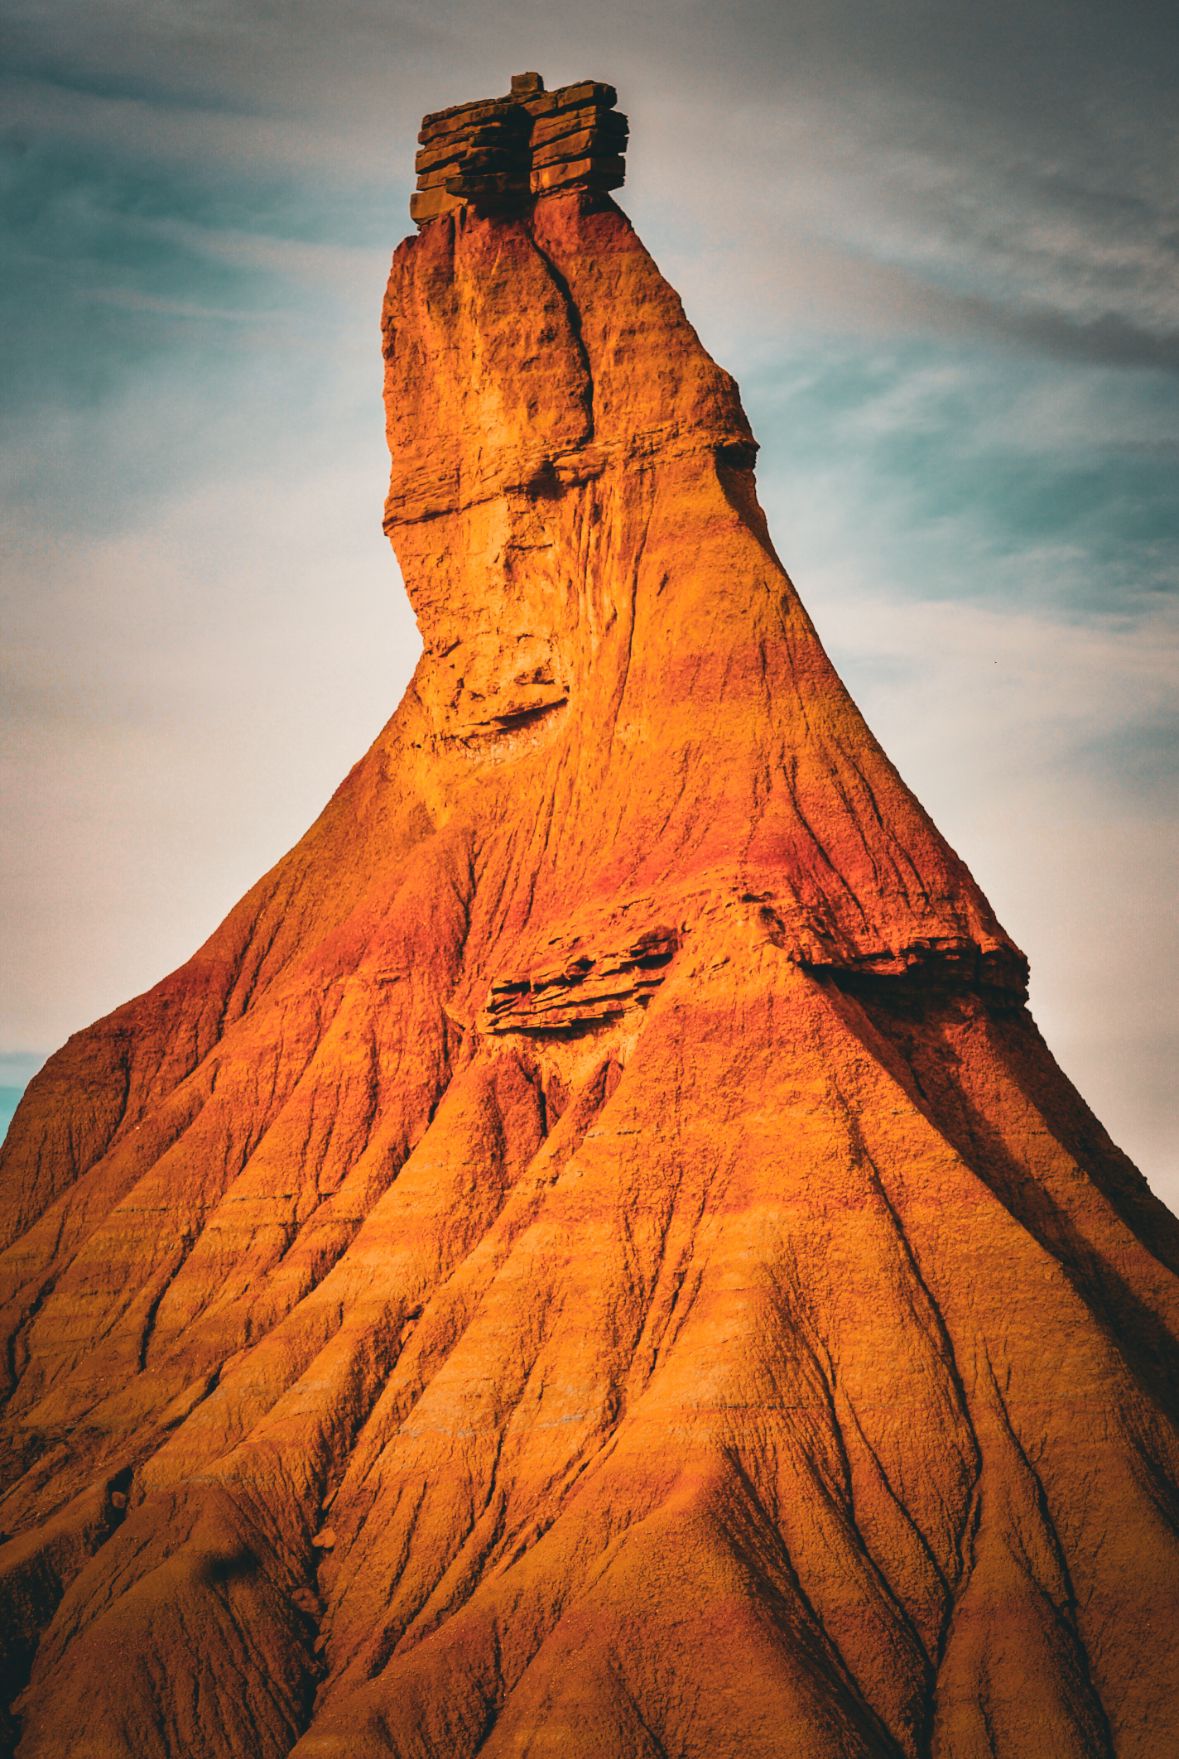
<point x="592" y="1258"/>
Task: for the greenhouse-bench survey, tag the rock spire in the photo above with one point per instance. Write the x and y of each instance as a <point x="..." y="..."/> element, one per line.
<point x="592" y="1259"/>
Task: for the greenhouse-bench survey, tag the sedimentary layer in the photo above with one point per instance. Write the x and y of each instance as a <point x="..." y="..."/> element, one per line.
<point x="495" y="154"/>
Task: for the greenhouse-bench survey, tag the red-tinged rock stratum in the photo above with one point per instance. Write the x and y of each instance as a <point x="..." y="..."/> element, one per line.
<point x="592" y="1258"/>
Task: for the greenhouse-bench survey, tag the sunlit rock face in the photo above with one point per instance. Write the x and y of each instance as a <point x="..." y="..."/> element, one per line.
<point x="592" y="1258"/>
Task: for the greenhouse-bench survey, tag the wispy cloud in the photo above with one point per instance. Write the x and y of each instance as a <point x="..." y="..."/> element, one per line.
<point x="133" y="299"/>
<point x="297" y="259"/>
<point x="159" y="127"/>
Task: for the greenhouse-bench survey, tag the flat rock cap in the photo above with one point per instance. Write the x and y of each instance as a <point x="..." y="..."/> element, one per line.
<point x="497" y="154"/>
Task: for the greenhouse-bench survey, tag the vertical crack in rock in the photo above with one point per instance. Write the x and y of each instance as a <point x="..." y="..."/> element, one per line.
<point x="574" y="317"/>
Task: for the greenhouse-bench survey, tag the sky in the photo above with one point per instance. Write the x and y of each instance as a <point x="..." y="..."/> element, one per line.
<point x="936" y="243"/>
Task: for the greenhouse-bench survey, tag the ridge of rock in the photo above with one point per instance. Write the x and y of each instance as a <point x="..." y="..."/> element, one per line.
<point x="592" y="1257"/>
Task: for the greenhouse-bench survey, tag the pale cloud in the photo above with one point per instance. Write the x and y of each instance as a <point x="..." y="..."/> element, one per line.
<point x="220" y="675"/>
<point x="160" y="128"/>
<point x="133" y="299"/>
<point x="1048" y="683"/>
<point x="301" y="260"/>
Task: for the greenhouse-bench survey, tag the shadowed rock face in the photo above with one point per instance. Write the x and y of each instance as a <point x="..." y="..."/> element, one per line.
<point x="592" y="1257"/>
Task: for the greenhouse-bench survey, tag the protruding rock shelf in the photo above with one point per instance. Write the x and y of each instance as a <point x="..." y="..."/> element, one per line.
<point x="495" y="154"/>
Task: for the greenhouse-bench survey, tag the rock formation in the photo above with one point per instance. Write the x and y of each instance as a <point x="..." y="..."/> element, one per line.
<point x="592" y="1257"/>
<point x="497" y="153"/>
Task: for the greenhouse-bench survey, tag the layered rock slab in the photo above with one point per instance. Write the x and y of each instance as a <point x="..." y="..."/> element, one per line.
<point x="496" y="153"/>
<point x="593" y="1256"/>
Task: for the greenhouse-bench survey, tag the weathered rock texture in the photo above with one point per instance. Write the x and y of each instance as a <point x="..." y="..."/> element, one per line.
<point x="497" y="153"/>
<point x="592" y="1257"/>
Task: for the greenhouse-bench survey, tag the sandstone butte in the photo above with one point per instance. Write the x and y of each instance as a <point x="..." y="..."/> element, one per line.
<point x="593" y="1256"/>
